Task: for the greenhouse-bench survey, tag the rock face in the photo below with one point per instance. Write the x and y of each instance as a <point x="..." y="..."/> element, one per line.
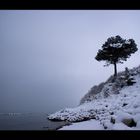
<point x="129" y="122"/>
<point x="112" y="120"/>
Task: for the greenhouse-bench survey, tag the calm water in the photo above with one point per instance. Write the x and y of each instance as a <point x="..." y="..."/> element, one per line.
<point x="27" y="121"/>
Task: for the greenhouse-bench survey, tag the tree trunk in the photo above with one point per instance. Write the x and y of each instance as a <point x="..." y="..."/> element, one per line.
<point x="115" y="69"/>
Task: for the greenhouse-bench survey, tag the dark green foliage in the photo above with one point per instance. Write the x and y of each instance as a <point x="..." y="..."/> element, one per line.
<point x="115" y="50"/>
<point x="112" y="120"/>
<point x="128" y="78"/>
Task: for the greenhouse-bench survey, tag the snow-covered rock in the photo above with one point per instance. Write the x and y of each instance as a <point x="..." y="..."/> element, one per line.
<point x="113" y="106"/>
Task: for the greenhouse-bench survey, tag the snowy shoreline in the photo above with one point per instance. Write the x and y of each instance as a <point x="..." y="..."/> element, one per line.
<point x="108" y="110"/>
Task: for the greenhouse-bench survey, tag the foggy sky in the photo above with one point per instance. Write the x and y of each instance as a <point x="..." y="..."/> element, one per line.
<point x="47" y="57"/>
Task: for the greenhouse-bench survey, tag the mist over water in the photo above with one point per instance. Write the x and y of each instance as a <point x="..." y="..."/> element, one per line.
<point x="28" y="95"/>
<point x="24" y="94"/>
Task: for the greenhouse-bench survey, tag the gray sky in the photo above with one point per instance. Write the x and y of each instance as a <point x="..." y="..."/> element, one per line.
<point x="47" y="57"/>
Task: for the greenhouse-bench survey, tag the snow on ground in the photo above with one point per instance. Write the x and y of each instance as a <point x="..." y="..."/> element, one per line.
<point x="94" y="125"/>
<point x="85" y="125"/>
<point x="115" y="112"/>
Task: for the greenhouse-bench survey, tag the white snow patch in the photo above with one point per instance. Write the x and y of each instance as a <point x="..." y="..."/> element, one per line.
<point x="127" y="42"/>
<point x="86" y="125"/>
<point x="120" y="126"/>
<point x="116" y="45"/>
<point x="122" y="115"/>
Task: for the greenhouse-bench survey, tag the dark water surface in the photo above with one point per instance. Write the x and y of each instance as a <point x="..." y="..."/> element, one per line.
<point x="27" y="121"/>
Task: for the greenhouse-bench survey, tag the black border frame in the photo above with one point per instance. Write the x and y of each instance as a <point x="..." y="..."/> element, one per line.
<point x="70" y="5"/>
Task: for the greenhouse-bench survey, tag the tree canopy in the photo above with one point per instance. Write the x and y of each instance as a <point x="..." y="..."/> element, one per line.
<point x="116" y="50"/>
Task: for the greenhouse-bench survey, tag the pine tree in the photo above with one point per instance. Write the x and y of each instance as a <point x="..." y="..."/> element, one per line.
<point x="115" y="50"/>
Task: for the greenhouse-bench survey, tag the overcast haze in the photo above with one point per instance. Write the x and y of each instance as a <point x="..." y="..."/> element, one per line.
<point x="47" y="57"/>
